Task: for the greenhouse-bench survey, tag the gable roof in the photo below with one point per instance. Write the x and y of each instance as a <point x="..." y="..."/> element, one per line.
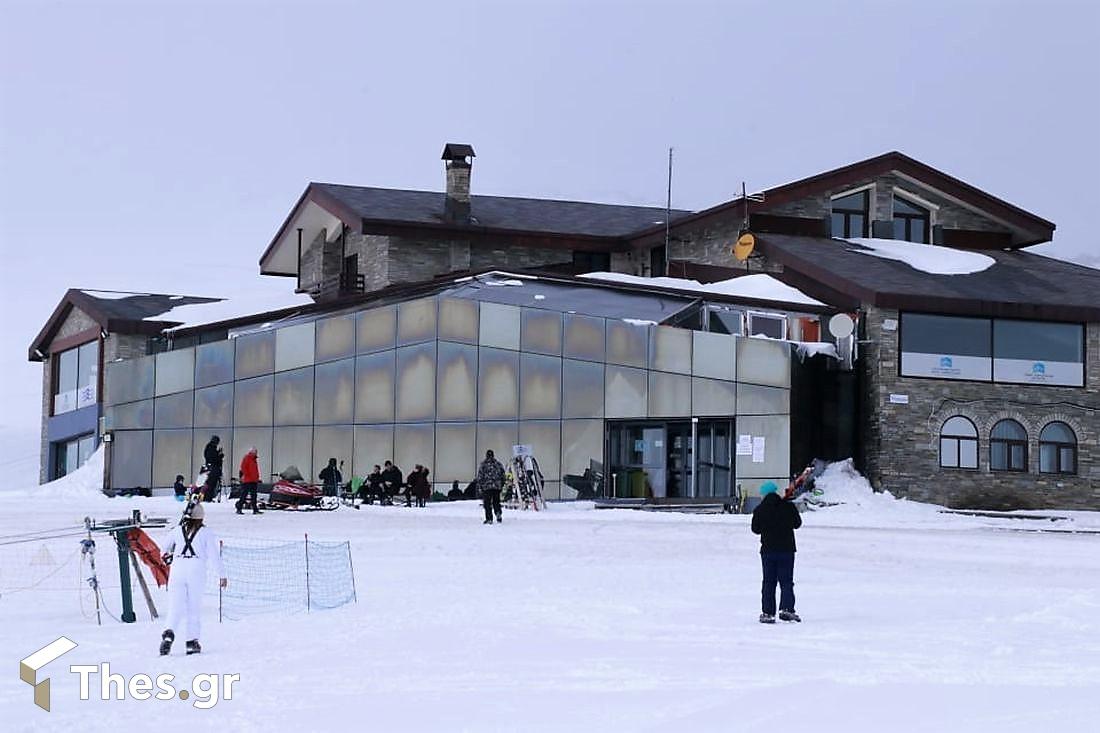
<point x="1037" y="228"/>
<point x="113" y="311"/>
<point x="1019" y="284"/>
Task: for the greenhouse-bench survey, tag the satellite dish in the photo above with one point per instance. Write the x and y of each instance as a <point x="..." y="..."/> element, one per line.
<point x="841" y="325"/>
<point x="745" y="244"/>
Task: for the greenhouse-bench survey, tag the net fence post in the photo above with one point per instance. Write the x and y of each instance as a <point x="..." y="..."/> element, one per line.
<point x="351" y="567"/>
<point x="221" y="545"/>
<point x="307" y="573"/>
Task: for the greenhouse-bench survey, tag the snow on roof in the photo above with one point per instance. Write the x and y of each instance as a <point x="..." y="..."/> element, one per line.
<point x="112" y="294"/>
<point x="760" y="287"/>
<point x="928" y="258"/>
<point x="239" y="306"/>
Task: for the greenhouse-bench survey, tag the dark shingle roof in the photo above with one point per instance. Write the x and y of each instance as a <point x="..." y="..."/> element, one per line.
<point x="1019" y="285"/>
<point x="500" y="212"/>
<point x="139" y="306"/>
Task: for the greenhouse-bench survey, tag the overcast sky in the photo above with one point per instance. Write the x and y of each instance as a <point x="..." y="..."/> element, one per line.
<point x="157" y="146"/>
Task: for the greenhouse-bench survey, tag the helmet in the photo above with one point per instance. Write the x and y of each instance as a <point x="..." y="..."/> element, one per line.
<point x="197" y="512"/>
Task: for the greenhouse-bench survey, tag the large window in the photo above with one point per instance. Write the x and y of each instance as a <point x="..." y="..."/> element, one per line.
<point x="1035" y="352"/>
<point x="1057" y="449"/>
<point x="911" y="222"/>
<point x="72" y="454"/>
<point x="724" y="320"/>
<point x="850" y="215"/>
<point x="958" y="444"/>
<point x="1008" y="447"/>
<point x="767" y="324"/>
<point x="945" y="347"/>
<point x="76" y="377"/>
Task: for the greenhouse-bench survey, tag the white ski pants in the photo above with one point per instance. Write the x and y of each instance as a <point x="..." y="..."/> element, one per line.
<point x="186" y="581"/>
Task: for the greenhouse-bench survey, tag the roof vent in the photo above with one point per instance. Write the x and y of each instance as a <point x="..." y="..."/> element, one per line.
<point x="458" y="161"/>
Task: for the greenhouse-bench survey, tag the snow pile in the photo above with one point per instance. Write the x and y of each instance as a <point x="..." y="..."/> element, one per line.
<point x="928" y="258"/>
<point x="807" y="349"/>
<point x="84" y="482"/>
<point x="848" y="497"/>
<point x="759" y="287"/>
<point x="240" y="306"/>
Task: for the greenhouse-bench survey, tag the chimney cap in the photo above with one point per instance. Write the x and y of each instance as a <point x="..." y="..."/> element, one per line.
<point x="457" y="151"/>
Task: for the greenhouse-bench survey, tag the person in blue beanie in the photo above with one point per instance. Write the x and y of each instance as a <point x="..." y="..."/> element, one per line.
<point x="775" y="520"/>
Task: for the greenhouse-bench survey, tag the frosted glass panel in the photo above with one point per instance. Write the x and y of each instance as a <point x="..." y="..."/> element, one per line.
<point x="132" y="415"/>
<point x="712" y="397"/>
<point x="541" y="332"/>
<point x="416" y="383"/>
<point x="498" y="383"/>
<point x="376" y="330"/>
<point x="756" y="400"/>
<point x="132" y="458"/>
<point x="294" y="447"/>
<point x="416" y="321"/>
<point x="414" y="444"/>
<point x="172" y="455"/>
<point x="455" y="453"/>
<point x="627" y="344"/>
<point x="129" y="381"/>
<point x="458" y="319"/>
<point x="294" y="397"/>
<point x="777" y="446"/>
<point x="335" y="338"/>
<point x="373" y="444"/>
<point x="175" y="371"/>
<point x="174" y="411"/>
<point x="334" y="393"/>
<point x="294" y="347"/>
<point x="669" y="395"/>
<point x="214" y="363"/>
<point x="584" y="337"/>
<point x="457" y="387"/>
<point x="544" y="437"/>
<point x="581" y="443"/>
<point x="243" y="439"/>
<point x="625" y="390"/>
<point x="255" y="354"/>
<point x="498" y="437"/>
<point x="551" y="491"/>
<point x="252" y="401"/>
<point x="374" y="387"/>
<point x="582" y="388"/>
<point x="763" y="361"/>
<point x="670" y="349"/>
<point x="540" y="386"/>
<point x="713" y="355"/>
<point x="333" y="441"/>
<point x="499" y="326"/>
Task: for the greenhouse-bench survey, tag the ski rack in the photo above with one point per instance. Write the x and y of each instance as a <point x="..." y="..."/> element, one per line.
<point x="119" y="529"/>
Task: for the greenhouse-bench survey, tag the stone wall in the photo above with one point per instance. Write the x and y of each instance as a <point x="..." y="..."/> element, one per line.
<point x="901" y="441"/>
<point x="483" y="256"/>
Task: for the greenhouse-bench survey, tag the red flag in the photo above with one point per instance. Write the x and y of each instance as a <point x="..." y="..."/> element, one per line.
<point x="149" y="553"/>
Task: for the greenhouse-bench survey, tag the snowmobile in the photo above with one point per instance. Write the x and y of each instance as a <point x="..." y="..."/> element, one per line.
<point x="292" y="492"/>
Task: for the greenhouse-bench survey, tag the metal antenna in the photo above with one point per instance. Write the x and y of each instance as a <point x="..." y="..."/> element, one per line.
<point x="668" y="215"/>
<point x="745" y="199"/>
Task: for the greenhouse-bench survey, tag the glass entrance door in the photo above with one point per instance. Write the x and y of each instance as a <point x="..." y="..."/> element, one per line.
<point x="678" y="460"/>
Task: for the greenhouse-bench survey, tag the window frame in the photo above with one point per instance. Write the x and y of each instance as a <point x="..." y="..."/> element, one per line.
<point x="957" y="438"/>
<point x="908" y="219"/>
<point x="847" y="214"/>
<point x="1009" y="444"/>
<point x="750" y="315"/>
<point x="1058" y="447"/>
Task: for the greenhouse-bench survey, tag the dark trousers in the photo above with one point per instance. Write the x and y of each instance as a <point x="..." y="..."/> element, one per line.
<point x="778" y="568"/>
<point x="490" y="499"/>
<point x="248" y="489"/>
<point x="210" y="488"/>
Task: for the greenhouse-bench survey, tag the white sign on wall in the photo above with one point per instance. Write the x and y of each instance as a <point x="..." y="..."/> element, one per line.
<point x="899" y="399"/>
<point x="64" y="402"/>
<point x="744" y="445"/>
<point x="85" y="396"/>
<point x="1028" y="371"/>
<point x="946" y="366"/>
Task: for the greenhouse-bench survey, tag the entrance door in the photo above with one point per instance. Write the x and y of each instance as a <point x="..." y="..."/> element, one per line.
<point x="678" y="460"/>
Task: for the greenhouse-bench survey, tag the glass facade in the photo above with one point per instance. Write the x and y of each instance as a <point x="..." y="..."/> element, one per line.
<point x="438" y="381"/>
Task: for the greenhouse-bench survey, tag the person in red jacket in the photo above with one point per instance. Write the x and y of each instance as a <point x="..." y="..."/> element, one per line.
<point x="250" y="478"/>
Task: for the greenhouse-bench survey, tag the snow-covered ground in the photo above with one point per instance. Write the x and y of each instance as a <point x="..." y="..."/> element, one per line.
<point x="602" y="620"/>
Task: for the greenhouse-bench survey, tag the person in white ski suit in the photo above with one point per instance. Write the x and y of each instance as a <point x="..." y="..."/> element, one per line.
<point x="194" y="548"/>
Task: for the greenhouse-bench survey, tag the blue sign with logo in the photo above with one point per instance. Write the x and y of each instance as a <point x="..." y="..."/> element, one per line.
<point x="945" y="362"/>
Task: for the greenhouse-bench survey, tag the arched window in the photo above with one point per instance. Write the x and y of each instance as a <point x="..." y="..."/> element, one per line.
<point x="958" y="443"/>
<point x="1057" y="449"/>
<point x="1008" y="447"/>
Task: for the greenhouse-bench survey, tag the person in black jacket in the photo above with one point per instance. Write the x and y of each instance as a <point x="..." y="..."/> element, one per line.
<point x="392" y="480"/>
<point x="775" y="520"/>
<point x="213" y="455"/>
<point x="331" y="478"/>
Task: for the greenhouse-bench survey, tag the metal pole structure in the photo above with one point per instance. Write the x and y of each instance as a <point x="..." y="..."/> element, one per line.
<point x="307" y="573"/>
<point x="668" y="217"/>
<point x="144" y="586"/>
<point x="694" y="443"/>
<point x="128" y="615"/>
<point x="299" y="285"/>
<point x="220" y="553"/>
<point x="88" y="547"/>
<point x="351" y="566"/>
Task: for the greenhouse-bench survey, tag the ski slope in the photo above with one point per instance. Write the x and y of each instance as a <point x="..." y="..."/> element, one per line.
<point x="582" y="619"/>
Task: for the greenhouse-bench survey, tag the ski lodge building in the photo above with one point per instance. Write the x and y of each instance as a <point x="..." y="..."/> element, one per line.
<point x="884" y="311"/>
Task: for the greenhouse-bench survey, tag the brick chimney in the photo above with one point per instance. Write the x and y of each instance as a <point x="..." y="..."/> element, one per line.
<point x="457" y="158"/>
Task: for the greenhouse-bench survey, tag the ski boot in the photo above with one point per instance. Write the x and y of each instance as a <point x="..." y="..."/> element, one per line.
<point x="499" y="519"/>
<point x="789" y="616"/>
<point x="488" y="521"/>
<point x="767" y="618"/>
<point x="193" y="647"/>
<point x="166" y="640"/>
